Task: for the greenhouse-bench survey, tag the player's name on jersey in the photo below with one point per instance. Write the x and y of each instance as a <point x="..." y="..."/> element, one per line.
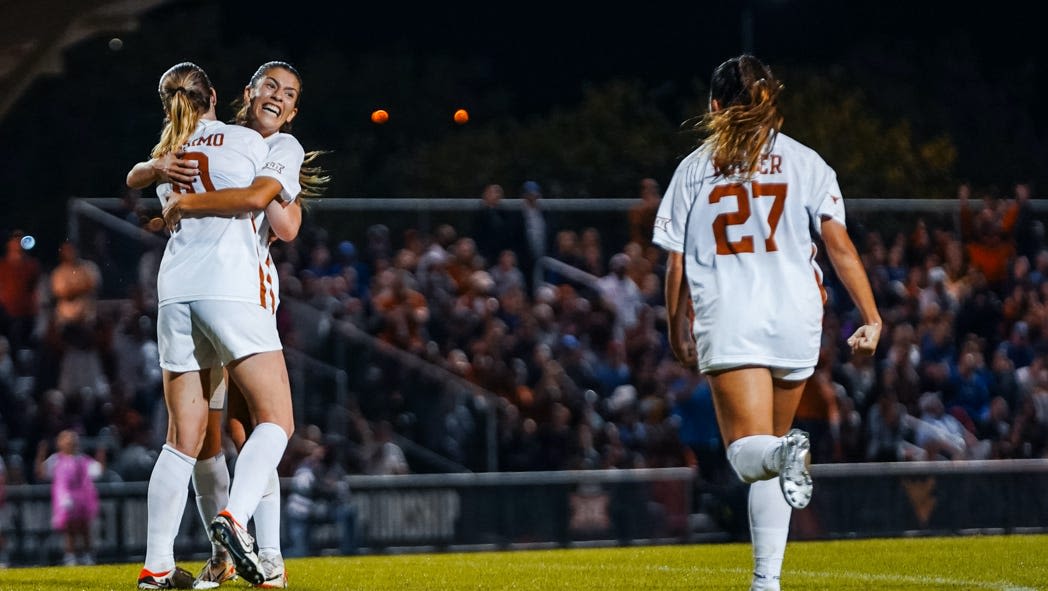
<point x="214" y="139"/>
<point x="769" y="164"/>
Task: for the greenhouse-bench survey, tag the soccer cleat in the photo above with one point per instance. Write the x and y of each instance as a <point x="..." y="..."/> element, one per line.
<point x="215" y="572"/>
<point x="794" y="478"/>
<point x="276" y="574"/>
<point x="176" y="578"/>
<point x="764" y="583"/>
<point x="241" y="547"/>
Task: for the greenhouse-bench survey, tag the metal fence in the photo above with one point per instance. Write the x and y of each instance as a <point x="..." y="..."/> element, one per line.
<point x="403" y="513"/>
<point x="527" y="510"/>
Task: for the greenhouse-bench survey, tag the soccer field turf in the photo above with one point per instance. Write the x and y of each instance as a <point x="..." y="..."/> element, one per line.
<point x="1005" y="563"/>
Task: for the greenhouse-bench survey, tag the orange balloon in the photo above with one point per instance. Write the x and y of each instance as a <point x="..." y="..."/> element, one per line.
<point x="461" y="116"/>
<point x="379" y="116"/>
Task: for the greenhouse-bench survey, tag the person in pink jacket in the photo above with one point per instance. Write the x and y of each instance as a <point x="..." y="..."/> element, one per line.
<point x="74" y="498"/>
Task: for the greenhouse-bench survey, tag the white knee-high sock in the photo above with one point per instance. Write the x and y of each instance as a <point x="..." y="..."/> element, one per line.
<point x="255" y="465"/>
<point x="267" y="517"/>
<point x="211" y="483"/>
<point x="165" y="503"/>
<point x="769" y="526"/>
<point x="752" y="457"/>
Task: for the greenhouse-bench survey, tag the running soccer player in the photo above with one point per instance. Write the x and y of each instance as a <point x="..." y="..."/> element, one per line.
<point x="744" y="293"/>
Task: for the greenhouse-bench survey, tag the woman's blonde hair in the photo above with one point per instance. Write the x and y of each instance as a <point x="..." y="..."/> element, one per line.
<point x="744" y="126"/>
<point x="312" y="178"/>
<point x="185" y="93"/>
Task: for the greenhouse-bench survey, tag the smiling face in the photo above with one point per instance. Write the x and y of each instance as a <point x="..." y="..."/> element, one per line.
<point x="272" y="100"/>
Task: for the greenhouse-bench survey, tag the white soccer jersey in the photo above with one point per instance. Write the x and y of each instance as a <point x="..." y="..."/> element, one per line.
<point x="749" y="255"/>
<point x="216" y="257"/>
<point x="283" y="163"/>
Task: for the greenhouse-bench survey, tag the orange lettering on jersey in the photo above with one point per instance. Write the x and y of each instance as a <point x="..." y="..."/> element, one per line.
<point x="771" y="164"/>
<point x="215" y="140"/>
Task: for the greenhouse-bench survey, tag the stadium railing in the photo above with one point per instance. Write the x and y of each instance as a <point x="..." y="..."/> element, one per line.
<point x="527" y="510"/>
<point x="415" y="512"/>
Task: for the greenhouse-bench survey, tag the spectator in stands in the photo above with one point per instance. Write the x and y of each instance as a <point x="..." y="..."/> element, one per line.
<point x="997" y="429"/>
<point x="579" y="363"/>
<point x="1029" y="437"/>
<point x="969" y="387"/>
<point x="402" y="312"/>
<point x="302" y="502"/>
<point x="438" y="288"/>
<point x="137" y="455"/>
<point x="611" y="368"/>
<point x="1018" y="347"/>
<point x="463" y="263"/>
<point x="20" y="275"/>
<point x="74" y="498"/>
<point x="321" y="261"/>
<point x="859" y="375"/>
<point x="507" y="274"/>
<point x="493" y="227"/>
<point x="566" y="249"/>
<point x="852" y="435"/>
<point x="378" y="251"/>
<point x="936" y="294"/>
<point x="591" y="251"/>
<point x="556" y="439"/>
<point x="1029" y="230"/>
<point x="75" y="284"/>
<point x="988" y="235"/>
<point x="891" y="431"/>
<point x="642" y="215"/>
<point x="385" y="456"/>
<point x="535" y="228"/>
<point x="620" y="294"/>
<point x="1004" y="383"/>
<point x="943" y="436"/>
<point x="692" y="409"/>
<point x="920" y="245"/>
<point x="473" y="309"/>
<point x="899" y="368"/>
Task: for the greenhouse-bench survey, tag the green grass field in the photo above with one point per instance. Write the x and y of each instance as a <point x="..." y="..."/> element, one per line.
<point x="1004" y="563"/>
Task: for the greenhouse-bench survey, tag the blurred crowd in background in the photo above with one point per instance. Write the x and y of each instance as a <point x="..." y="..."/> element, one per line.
<point x="576" y="364"/>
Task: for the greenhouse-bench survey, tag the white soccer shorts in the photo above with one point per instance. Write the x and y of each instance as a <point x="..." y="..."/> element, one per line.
<point x="788" y="374"/>
<point x="206" y="334"/>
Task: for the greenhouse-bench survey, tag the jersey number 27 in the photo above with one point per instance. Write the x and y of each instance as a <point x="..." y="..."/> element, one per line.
<point x="743" y="194"/>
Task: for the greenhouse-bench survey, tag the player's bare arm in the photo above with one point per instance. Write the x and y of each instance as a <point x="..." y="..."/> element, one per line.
<point x="285" y="218"/>
<point x="678" y="304"/>
<point x="234" y="201"/>
<point x="846" y="261"/>
<point x="167" y="168"/>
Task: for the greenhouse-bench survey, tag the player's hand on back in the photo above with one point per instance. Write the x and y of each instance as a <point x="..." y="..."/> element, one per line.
<point x="178" y="171"/>
<point x="173" y="211"/>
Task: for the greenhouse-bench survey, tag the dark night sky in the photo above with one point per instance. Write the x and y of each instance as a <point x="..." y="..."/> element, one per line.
<point x="543" y="50"/>
<point x="551" y="45"/>
<point x="540" y="53"/>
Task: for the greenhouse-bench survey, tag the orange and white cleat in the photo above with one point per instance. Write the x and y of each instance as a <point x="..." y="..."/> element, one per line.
<point x="176" y="578"/>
